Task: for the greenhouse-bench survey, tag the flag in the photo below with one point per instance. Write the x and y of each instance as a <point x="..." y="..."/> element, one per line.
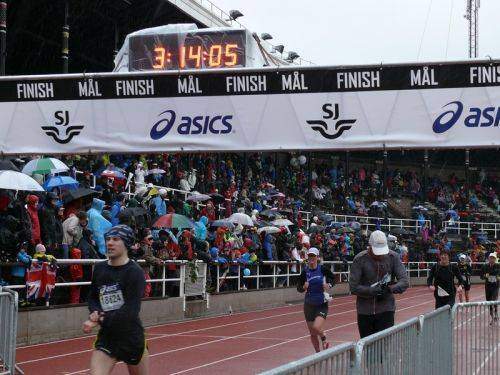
<point x="40" y="280"/>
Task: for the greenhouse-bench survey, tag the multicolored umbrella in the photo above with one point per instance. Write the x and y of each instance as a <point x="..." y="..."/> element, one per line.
<point x="12" y="180"/>
<point x="173" y="221"/>
<point x="60" y="182"/>
<point x="45" y="166"/>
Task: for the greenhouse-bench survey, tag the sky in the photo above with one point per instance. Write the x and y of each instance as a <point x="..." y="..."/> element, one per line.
<point x="336" y="32"/>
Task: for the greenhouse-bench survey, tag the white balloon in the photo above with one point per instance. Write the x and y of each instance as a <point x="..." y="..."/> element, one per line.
<point x="294" y="162"/>
<point x="302" y="159"/>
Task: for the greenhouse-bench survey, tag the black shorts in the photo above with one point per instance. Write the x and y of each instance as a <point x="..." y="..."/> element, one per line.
<point x="466" y="287"/>
<point x="313" y="311"/>
<point x="129" y="348"/>
<point x="491" y="291"/>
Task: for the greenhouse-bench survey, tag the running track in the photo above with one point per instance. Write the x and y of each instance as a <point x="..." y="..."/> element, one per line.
<point x="245" y="343"/>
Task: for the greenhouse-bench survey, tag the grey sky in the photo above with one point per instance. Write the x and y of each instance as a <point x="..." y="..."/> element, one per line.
<point x="332" y="32"/>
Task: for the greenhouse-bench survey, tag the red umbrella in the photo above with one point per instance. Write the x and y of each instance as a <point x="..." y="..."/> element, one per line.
<point x="173" y="221"/>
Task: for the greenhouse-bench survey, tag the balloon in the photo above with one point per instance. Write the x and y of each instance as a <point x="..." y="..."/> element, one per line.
<point x="246" y="272"/>
<point x="302" y="159"/>
<point x="294" y="162"/>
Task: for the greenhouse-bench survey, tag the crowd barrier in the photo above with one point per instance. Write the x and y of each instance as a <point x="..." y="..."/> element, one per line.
<point x="469" y="227"/>
<point x="8" y="329"/>
<point x="460" y="341"/>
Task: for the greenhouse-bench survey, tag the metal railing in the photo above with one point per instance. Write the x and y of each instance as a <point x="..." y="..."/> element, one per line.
<point x="371" y="221"/>
<point x="476" y="348"/>
<point x="462" y="340"/>
<point x="8" y="331"/>
<point x="467" y="227"/>
<point x="338" y="360"/>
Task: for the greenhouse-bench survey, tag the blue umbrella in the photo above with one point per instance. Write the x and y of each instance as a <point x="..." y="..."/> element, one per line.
<point x="60" y="182"/>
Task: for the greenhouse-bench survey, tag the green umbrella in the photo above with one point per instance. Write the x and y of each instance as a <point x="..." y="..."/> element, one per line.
<point x="45" y="166"/>
<point x="173" y="221"/>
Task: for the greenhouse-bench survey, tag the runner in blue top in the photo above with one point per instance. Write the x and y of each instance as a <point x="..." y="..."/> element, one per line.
<point x="315" y="280"/>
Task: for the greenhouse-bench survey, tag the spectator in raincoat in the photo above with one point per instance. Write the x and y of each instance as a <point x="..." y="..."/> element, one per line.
<point x="200" y="229"/>
<point x="32" y="203"/>
<point x="159" y="203"/>
<point x="51" y="226"/>
<point x="98" y="224"/>
<point x="116" y="208"/>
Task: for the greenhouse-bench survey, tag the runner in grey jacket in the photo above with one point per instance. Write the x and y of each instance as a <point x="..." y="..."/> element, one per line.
<point x="376" y="274"/>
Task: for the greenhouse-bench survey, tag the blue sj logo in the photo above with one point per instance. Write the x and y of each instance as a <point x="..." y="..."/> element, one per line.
<point x="478" y="117"/>
<point x="218" y="124"/>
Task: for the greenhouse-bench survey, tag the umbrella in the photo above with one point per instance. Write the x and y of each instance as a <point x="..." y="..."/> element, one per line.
<point x="217" y="198"/>
<point x="12" y="180"/>
<point x="7" y="165"/>
<point x="346" y="230"/>
<point x="399" y="231"/>
<point x="222" y="223"/>
<point x="156" y="171"/>
<point x="241" y="218"/>
<point x="173" y="221"/>
<point x="73" y="195"/>
<point x="278" y="195"/>
<point x="269" y="213"/>
<point x="420" y="208"/>
<point x="316" y="229"/>
<point x="113" y="174"/>
<point x="135" y="211"/>
<point x="198" y="197"/>
<point x="269" y="230"/>
<point x="281" y="222"/>
<point x="60" y="182"/>
<point x="45" y="166"/>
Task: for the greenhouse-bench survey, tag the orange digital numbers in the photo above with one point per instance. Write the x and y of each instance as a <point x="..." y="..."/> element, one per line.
<point x="196" y="56"/>
<point x="231" y="55"/>
<point x="159" y="58"/>
<point x="215" y="55"/>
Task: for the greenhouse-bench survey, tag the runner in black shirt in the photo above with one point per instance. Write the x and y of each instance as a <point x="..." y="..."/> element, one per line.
<point x="491" y="276"/>
<point x="441" y="281"/>
<point x="466" y="272"/>
<point x="114" y="304"/>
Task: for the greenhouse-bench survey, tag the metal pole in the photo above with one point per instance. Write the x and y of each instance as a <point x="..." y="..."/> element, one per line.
<point x="309" y="179"/>
<point x="3" y="36"/>
<point x="117" y="39"/>
<point x="65" y="39"/>
<point x="467" y="162"/>
<point x="276" y="169"/>
<point x="347" y="168"/>
<point x="426" y="171"/>
<point x="384" y="192"/>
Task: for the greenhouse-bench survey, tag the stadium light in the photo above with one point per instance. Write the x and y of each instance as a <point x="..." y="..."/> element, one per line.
<point x="266" y="36"/>
<point x="279" y="48"/>
<point x="292" y="56"/>
<point x="234" y="14"/>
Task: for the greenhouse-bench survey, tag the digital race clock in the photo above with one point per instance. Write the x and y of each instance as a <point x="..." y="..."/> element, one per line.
<point x="203" y="49"/>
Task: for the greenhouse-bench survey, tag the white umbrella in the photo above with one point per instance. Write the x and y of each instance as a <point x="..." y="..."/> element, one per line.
<point x="198" y="197"/>
<point x="45" y="166"/>
<point x="156" y="171"/>
<point x="240" y="218"/>
<point x="281" y="222"/>
<point x="268" y="230"/>
<point x="12" y="180"/>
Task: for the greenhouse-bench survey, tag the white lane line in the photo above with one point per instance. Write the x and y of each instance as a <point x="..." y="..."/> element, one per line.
<point x="478" y="370"/>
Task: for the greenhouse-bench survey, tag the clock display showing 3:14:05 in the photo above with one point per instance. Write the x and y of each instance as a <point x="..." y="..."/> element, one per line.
<point x="196" y="57"/>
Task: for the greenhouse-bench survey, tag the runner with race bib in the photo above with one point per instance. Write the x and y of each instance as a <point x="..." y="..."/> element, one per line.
<point x="114" y="304"/>
<point x="491" y="276"/>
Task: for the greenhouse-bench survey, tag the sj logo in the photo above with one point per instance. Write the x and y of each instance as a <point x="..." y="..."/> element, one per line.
<point x="340" y="126"/>
<point x="62" y="132"/>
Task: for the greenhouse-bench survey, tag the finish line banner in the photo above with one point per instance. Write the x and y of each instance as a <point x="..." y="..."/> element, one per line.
<point x="369" y="107"/>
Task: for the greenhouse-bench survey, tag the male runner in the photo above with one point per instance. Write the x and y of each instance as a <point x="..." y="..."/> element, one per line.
<point x="466" y="272"/>
<point x="491" y="275"/>
<point x="114" y="304"/>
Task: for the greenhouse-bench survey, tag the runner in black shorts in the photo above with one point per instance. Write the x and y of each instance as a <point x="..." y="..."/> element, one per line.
<point x="315" y="280"/>
<point x="114" y="304"/>
<point x="491" y="275"/>
<point x="466" y="272"/>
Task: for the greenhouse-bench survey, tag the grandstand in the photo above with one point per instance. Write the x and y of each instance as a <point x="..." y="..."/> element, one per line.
<point x="220" y="151"/>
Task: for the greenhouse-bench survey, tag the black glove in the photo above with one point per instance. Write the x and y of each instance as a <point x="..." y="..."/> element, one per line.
<point x="375" y="290"/>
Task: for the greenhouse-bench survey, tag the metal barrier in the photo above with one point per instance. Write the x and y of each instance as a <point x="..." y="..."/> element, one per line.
<point x="476" y="348"/>
<point x="467" y="227"/>
<point x="8" y="331"/>
<point x="463" y="340"/>
<point x="371" y="221"/>
<point x="338" y="360"/>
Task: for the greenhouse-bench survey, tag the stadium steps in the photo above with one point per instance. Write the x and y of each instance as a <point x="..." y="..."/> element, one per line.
<point x="400" y="207"/>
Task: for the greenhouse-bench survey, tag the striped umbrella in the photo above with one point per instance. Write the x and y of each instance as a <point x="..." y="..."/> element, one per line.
<point x="45" y="166"/>
<point x="173" y="221"/>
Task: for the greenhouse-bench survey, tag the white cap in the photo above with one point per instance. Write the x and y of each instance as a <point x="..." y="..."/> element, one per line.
<point x="462" y="256"/>
<point x="378" y="242"/>
<point x="162" y="192"/>
<point x="313" y="251"/>
<point x="493" y="255"/>
<point x="315" y="218"/>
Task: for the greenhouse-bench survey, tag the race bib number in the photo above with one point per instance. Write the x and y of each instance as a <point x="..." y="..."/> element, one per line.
<point x="111" y="297"/>
<point x="492" y="279"/>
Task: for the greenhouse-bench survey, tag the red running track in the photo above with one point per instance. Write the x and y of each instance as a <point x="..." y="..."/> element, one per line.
<point x="245" y="343"/>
